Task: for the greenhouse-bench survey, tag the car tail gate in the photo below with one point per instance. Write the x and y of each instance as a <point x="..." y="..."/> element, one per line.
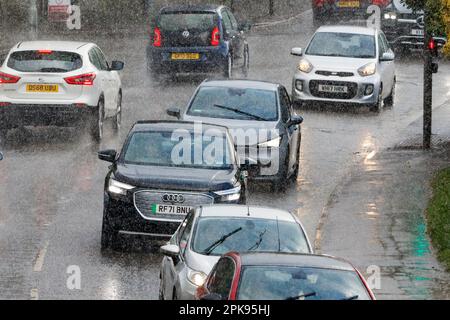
<point x="42" y="75"/>
<point x="187" y="29"/>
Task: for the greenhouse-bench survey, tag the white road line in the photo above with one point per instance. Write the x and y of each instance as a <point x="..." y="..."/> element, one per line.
<point x="40" y="259"/>
<point x="34" y="294"/>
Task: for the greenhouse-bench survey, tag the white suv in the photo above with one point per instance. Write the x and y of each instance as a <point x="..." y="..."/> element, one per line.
<point x="59" y="83"/>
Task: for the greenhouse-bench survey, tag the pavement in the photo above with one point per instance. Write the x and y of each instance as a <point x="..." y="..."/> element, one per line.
<point x="359" y="195"/>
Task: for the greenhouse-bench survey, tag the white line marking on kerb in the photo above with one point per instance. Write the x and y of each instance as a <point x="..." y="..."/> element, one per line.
<point x="34" y="294"/>
<point x="40" y="259"/>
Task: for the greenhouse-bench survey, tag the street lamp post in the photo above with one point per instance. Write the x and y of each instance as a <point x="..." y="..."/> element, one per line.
<point x="427" y="85"/>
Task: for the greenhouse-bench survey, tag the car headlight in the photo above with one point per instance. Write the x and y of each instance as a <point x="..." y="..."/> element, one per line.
<point x="305" y="66"/>
<point x="275" y="143"/>
<point x="390" y="16"/>
<point x="117" y="187"/>
<point x="368" y="69"/>
<point x="230" y="194"/>
<point x="197" y="278"/>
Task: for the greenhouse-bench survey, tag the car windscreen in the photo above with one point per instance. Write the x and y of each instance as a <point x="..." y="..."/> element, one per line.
<point x="45" y="61"/>
<point x="180" y="148"/>
<point x="300" y="283"/>
<point x="336" y="44"/>
<point x="176" y="21"/>
<point x="247" y="234"/>
<point x="235" y="103"/>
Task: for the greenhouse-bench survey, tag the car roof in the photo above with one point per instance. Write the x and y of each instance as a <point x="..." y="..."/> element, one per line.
<point x="242" y="211"/>
<point x="51" y="45"/>
<point x="241" y="84"/>
<point x="295" y="259"/>
<point x="193" y="7"/>
<point x="348" y="29"/>
<point x="151" y="125"/>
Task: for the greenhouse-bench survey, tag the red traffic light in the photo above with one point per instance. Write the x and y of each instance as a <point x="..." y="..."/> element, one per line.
<point x="431" y="45"/>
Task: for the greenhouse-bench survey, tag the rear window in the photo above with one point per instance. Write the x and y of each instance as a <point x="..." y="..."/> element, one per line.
<point x="201" y="21"/>
<point x="45" y="61"/>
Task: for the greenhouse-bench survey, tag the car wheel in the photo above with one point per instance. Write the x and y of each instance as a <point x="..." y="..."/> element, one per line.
<point x="280" y="185"/>
<point x="97" y="122"/>
<point x="109" y="235"/>
<point x="118" y="116"/>
<point x="389" y="101"/>
<point x="161" y="293"/>
<point x="246" y="67"/>
<point x="174" y="294"/>
<point x="294" y="175"/>
<point x="228" y="72"/>
<point x="379" y="104"/>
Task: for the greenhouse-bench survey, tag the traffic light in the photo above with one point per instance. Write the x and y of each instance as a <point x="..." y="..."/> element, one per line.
<point x="434" y="53"/>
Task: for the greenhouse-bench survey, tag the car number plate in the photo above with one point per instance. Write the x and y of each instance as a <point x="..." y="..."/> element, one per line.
<point x="46" y="88"/>
<point x="185" y="56"/>
<point x="349" y="4"/>
<point x="417" y="32"/>
<point x="332" y="89"/>
<point x="170" y="209"/>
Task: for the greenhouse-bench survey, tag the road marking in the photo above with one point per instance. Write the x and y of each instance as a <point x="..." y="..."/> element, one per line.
<point x="34" y="294"/>
<point x="40" y="259"/>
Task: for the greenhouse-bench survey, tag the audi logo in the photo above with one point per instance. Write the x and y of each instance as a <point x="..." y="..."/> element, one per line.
<point x="173" y="198"/>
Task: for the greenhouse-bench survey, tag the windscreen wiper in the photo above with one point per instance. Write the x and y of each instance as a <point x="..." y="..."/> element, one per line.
<point x="254" y="116"/>
<point x="306" y="295"/>
<point x="351" y="298"/>
<point x="258" y="243"/>
<point x="211" y="248"/>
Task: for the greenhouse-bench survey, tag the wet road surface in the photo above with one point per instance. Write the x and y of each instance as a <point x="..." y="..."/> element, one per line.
<point x="51" y="185"/>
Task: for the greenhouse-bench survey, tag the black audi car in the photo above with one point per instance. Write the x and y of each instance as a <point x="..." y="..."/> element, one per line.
<point x="197" y="38"/>
<point x="165" y="170"/>
<point x="404" y="28"/>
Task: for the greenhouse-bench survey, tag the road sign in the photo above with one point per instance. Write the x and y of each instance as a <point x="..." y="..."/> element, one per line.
<point x="58" y="10"/>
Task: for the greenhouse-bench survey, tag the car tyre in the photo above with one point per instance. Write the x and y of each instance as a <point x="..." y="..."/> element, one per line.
<point x="389" y="101"/>
<point x="97" y="121"/>
<point x="109" y="235"/>
<point x="280" y="185"/>
<point x="246" y="66"/>
<point x="379" y="104"/>
<point x="118" y="117"/>
<point x="294" y="175"/>
<point x="228" y="68"/>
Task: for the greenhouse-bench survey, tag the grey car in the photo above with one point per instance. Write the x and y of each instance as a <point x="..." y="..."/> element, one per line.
<point x="261" y="120"/>
<point x="211" y="231"/>
<point x="345" y="65"/>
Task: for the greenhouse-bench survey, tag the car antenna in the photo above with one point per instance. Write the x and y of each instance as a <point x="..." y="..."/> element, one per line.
<point x="279" y="241"/>
<point x="248" y="211"/>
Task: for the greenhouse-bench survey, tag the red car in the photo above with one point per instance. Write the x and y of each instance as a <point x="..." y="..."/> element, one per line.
<point x="281" y="276"/>
<point x="323" y="10"/>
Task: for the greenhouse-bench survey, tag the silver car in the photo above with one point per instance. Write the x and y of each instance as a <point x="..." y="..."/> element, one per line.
<point x="347" y="65"/>
<point x="211" y="231"/>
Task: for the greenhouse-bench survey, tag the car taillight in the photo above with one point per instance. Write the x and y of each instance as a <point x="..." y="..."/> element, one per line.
<point x="157" y="37"/>
<point x="8" y="78"/>
<point x="4" y="104"/>
<point x="381" y="3"/>
<point x="215" y="37"/>
<point x="81" y="80"/>
<point x="45" y="51"/>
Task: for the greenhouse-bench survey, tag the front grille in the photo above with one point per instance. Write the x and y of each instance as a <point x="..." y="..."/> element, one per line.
<point x="143" y="201"/>
<point x="314" y="89"/>
<point x="333" y="73"/>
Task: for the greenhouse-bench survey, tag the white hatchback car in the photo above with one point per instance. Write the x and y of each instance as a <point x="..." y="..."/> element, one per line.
<point x="211" y="231"/>
<point x="59" y="83"/>
<point x="346" y="65"/>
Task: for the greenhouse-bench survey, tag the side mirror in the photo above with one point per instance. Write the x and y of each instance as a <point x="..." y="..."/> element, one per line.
<point x="387" y="56"/>
<point x="295" y="120"/>
<point x="107" y="155"/>
<point x="297" y="52"/>
<point x="117" y="66"/>
<point x="212" y="297"/>
<point x="170" y="250"/>
<point x="245" y="26"/>
<point x="174" y="112"/>
<point x="1" y="156"/>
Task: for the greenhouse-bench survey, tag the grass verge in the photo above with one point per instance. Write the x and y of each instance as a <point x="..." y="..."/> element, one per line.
<point x="438" y="213"/>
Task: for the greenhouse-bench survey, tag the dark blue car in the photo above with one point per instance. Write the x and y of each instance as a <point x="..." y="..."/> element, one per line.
<point x="200" y="38"/>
